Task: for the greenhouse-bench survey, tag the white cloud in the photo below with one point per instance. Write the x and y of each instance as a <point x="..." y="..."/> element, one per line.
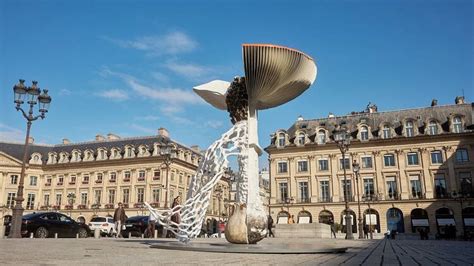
<point x="64" y="92"/>
<point x="114" y="94"/>
<point x="214" y="124"/>
<point x="173" y="96"/>
<point x="148" y="118"/>
<point x="8" y="133"/>
<point x="143" y="129"/>
<point x="172" y="43"/>
<point x="188" y="70"/>
<point x="160" y="77"/>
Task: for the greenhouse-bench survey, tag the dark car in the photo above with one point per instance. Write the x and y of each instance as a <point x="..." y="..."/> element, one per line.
<point x="137" y="225"/>
<point x="47" y="224"/>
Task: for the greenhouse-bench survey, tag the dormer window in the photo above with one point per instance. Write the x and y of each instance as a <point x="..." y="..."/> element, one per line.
<point x="409" y="130"/>
<point x="364" y="133"/>
<point x="433" y="128"/>
<point x="129" y="152"/>
<point x="386" y="132"/>
<point x="321" y="136"/>
<point x="281" y="140"/>
<point x="301" y="138"/>
<point x="457" y="125"/>
<point x="102" y="154"/>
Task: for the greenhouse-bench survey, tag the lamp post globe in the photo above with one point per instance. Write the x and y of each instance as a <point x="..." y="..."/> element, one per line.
<point x="30" y="94"/>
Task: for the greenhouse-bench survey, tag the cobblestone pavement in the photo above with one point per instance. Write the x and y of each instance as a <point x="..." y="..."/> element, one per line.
<point x="137" y="252"/>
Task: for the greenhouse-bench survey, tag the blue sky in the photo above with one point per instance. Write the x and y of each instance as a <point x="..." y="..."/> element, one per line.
<point x="128" y="67"/>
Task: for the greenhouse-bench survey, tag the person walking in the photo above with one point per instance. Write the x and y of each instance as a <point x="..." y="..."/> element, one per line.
<point x="291" y="219"/>
<point x="270" y="226"/>
<point x="366" y="231"/>
<point x="175" y="218"/>
<point x="119" y="218"/>
<point x="151" y="225"/>
<point x="333" y="228"/>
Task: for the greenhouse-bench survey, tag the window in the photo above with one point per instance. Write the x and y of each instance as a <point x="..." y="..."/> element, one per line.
<point x="409" y="131"/>
<point x="367" y="162"/>
<point x="323" y="165"/>
<point x="303" y="187"/>
<point x="386" y="132"/>
<point x="461" y="156"/>
<point x="364" y="133"/>
<point x="392" y="191"/>
<point x="85" y="179"/>
<point x="281" y="140"/>
<point x="102" y="154"/>
<point x="301" y="138"/>
<point x="324" y="190"/>
<point x="72" y="179"/>
<point x="389" y="160"/>
<point x="440" y="186"/>
<point x="156" y="195"/>
<point x="302" y="166"/>
<point x="181" y="178"/>
<point x="97" y="196"/>
<point x="436" y="157"/>
<point x="141" y="175"/>
<point x="412" y="158"/>
<point x="11" y="199"/>
<point x="59" y="199"/>
<point x="466" y="182"/>
<point x="282" y="167"/>
<point x="49" y="180"/>
<point x="33" y="180"/>
<point x="60" y="180"/>
<point x="113" y="177"/>
<point x="283" y="191"/>
<point x="172" y="176"/>
<point x="46" y="199"/>
<point x="415" y="187"/>
<point x="125" y="195"/>
<point x="126" y="175"/>
<point x="30" y="202"/>
<point x="111" y="196"/>
<point x="83" y="198"/>
<point x="156" y="174"/>
<point x="13" y="179"/>
<point x="140" y="195"/>
<point x="321" y="136"/>
<point x="129" y="152"/>
<point x="344" y="164"/>
<point x="457" y="124"/>
<point x="99" y="177"/>
<point x="347" y="189"/>
<point x="369" y="186"/>
<point x="433" y="128"/>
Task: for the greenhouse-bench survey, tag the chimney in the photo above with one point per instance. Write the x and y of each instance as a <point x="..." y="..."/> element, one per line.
<point x="66" y="141"/>
<point x="163" y="132"/>
<point x="331" y="115"/>
<point x="195" y="148"/>
<point x="99" y="138"/>
<point x="459" y="100"/>
<point x="300" y="118"/>
<point x="373" y="109"/>
<point x="434" y="102"/>
<point x="111" y="136"/>
<point x="31" y="140"/>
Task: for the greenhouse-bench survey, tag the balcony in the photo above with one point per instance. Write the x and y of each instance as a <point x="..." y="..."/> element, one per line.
<point x="350" y="198"/>
<point x="47" y="184"/>
<point x="393" y="197"/>
<point x="44" y="207"/>
<point x="140" y="179"/>
<point x="138" y="205"/>
<point x="85" y="182"/>
<point x="155" y="204"/>
<point x="415" y="196"/>
<point x="156" y="178"/>
<point x="68" y="207"/>
<point x="112" y="180"/>
<point x="59" y="184"/>
<point x="324" y="199"/>
<point x="126" y="180"/>
<point x="98" y="181"/>
<point x="56" y="207"/>
<point x="72" y="183"/>
<point x="109" y="206"/>
<point x="303" y="200"/>
<point x="82" y="206"/>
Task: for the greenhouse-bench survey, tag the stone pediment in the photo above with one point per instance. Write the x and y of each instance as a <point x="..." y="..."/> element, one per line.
<point x="7" y="160"/>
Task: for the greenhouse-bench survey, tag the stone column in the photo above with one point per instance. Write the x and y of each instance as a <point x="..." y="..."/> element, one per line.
<point x="427" y="179"/>
<point x="451" y="180"/>
<point x="335" y="182"/>
<point x="402" y="177"/>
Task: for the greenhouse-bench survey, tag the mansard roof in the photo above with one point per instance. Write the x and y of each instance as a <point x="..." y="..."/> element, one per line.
<point x="16" y="149"/>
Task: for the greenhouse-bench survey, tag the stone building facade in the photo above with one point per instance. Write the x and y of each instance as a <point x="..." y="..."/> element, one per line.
<point x="90" y="178"/>
<point x="416" y="169"/>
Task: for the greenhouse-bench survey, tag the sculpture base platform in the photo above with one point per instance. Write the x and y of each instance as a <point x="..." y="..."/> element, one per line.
<point x="260" y="248"/>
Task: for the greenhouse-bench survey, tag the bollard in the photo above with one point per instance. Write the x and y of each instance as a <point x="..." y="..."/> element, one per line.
<point x="31" y="235"/>
<point x="156" y="234"/>
<point x="142" y="236"/>
<point x="77" y="236"/>
<point x="129" y="234"/>
<point x="2" y="231"/>
<point x="97" y="233"/>
<point x="56" y="235"/>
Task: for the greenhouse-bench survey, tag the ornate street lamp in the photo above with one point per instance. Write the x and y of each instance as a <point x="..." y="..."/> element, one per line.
<point x="32" y="95"/>
<point x="356" y="169"/>
<point x="343" y="141"/>
<point x="167" y="152"/>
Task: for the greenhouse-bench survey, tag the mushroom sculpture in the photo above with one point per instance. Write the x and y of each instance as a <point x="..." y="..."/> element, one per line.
<point x="274" y="75"/>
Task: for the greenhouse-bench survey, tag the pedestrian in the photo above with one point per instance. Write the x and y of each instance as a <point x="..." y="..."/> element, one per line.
<point x="270" y="226"/>
<point x="151" y="225"/>
<point x="291" y="219"/>
<point x="119" y="218"/>
<point x="366" y="231"/>
<point x="387" y="234"/>
<point x="176" y="217"/>
<point x="333" y="227"/>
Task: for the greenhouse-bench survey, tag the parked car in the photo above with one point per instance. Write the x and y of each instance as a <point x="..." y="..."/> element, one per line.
<point x="106" y="225"/>
<point x="47" y="224"/>
<point x="137" y="225"/>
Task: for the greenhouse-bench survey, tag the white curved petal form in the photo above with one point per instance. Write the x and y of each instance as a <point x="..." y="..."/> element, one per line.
<point x="275" y="75"/>
<point x="214" y="92"/>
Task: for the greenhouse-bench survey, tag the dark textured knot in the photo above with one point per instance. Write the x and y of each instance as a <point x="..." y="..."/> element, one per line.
<point x="237" y="100"/>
